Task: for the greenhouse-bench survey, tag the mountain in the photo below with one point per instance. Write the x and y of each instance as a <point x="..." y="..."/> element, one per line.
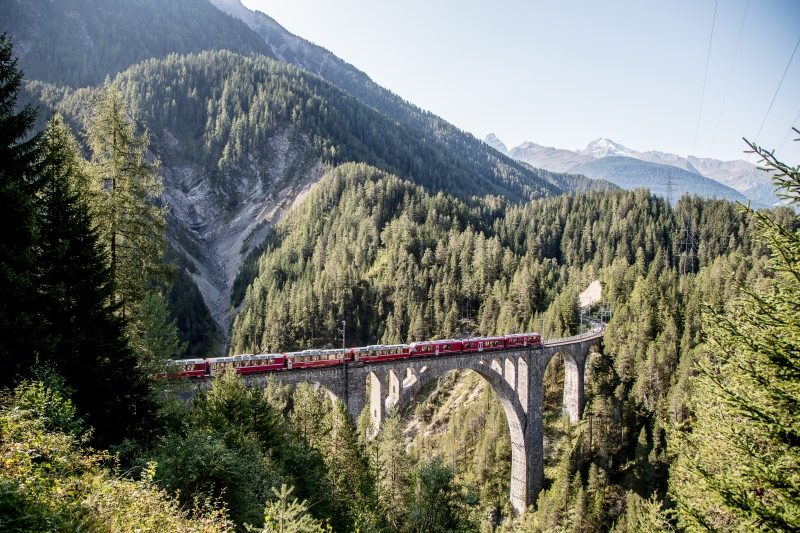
<point x="243" y="136"/>
<point x="80" y="42"/>
<point x="154" y="29"/>
<point x="554" y="159"/>
<point x="553" y="172"/>
<point x="630" y="173"/>
<point x="603" y="148"/>
<point x="741" y="176"/>
<point x="321" y="62"/>
<point x="496" y="143"/>
<point x="745" y="177"/>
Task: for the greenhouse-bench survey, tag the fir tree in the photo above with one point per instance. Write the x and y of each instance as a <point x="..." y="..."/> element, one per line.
<point x="740" y="468"/>
<point x="154" y="336"/>
<point x="19" y="183"/>
<point x="125" y="186"/>
<point x="84" y="340"/>
<point x="284" y="515"/>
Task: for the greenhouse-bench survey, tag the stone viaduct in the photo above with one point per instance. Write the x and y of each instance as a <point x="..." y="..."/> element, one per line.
<point x="516" y="376"/>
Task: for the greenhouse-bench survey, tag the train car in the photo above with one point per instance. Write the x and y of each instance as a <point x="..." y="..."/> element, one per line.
<point x="523" y="340"/>
<point x="434" y="348"/>
<point x="185" y="368"/>
<point x="357" y="354"/>
<point x="257" y="363"/>
<point x="219" y="365"/>
<point x="314" y="358"/>
<point x="483" y="344"/>
<point x="384" y="352"/>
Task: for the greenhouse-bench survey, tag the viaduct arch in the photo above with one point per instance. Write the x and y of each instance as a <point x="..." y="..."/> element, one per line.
<point x="516" y="376"/>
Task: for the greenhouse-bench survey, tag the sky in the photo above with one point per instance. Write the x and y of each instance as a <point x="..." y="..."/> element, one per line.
<point x="561" y="73"/>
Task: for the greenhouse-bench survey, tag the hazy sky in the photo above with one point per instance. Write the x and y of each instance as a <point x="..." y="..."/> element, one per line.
<point x="561" y="73"/>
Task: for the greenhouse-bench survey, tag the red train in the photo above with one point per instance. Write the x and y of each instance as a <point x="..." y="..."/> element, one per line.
<point x="272" y="362"/>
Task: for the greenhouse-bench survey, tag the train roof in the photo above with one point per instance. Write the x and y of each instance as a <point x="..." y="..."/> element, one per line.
<point x="195" y="361"/>
<point x="440" y="341"/>
<point x="385" y="346"/>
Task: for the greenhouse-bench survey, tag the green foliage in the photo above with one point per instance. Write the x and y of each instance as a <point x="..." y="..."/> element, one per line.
<point x="394" y="465"/>
<point x="55" y="52"/>
<point x="51" y="482"/>
<point x="400" y="264"/>
<point x="153" y="335"/>
<point x="225" y="110"/>
<point x="237" y="444"/>
<point x="435" y="501"/>
<point x="19" y="183"/>
<point x="201" y="465"/>
<point x="739" y="463"/>
<point x="124" y="186"/>
<point x="284" y="516"/>
<point x="196" y="328"/>
<point x="83" y="340"/>
<point x="643" y="516"/>
<point x="44" y="402"/>
<point x="349" y="472"/>
<point x="59" y="307"/>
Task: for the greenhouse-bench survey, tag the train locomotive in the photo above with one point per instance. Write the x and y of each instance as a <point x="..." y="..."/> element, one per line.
<point x="313" y="358"/>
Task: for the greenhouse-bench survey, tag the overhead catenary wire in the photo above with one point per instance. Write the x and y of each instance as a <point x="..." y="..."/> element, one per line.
<point x="730" y="72"/>
<point x="705" y="76"/>
<point x="780" y="83"/>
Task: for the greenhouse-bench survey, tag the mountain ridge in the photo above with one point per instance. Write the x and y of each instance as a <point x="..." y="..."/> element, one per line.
<point x="738" y="175"/>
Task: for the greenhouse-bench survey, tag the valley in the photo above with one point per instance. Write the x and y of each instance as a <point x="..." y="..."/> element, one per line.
<point x="189" y="190"/>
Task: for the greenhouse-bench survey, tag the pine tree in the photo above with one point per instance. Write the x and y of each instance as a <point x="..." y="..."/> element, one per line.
<point x="348" y="470"/>
<point x="309" y="414"/>
<point x="282" y="515"/>
<point x="154" y="336"/>
<point x="125" y="187"/>
<point x="740" y="468"/>
<point x="83" y="339"/>
<point x="19" y="183"/>
<point x="396" y="467"/>
<point x="435" y="503"/>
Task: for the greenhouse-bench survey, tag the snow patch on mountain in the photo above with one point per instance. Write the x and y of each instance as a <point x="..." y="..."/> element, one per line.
<point x="738" y="175"/>
<point x="603" y="147"/>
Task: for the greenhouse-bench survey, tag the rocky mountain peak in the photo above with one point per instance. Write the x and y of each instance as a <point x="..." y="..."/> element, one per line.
<point x="603" y="147"/>
<point x="493" y="141"/>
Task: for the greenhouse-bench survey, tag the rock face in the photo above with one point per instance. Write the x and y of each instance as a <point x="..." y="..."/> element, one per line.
<point x="219" y="213"/>
<point x="216" y="229"/>
<point x="496" y="143"/>
<point x="592" y="295"/>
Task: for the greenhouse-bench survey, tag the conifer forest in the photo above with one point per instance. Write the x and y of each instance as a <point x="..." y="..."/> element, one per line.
<point x="187" y="181"/>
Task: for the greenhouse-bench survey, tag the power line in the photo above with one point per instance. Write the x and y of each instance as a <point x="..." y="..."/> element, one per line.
<point x="730" y="72"/>
<point x="705" y="76"/>
<point x="777" y="90"/>
<point x="788" y="133"/>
